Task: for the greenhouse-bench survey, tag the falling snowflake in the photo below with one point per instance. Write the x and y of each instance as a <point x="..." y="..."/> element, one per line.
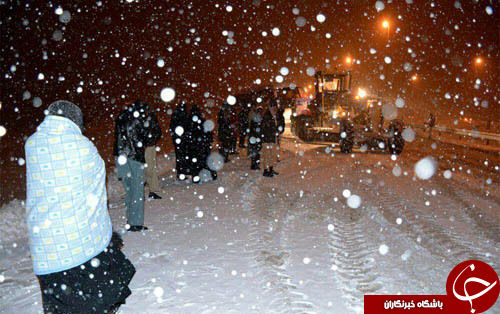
<point x="320" y="18"/>
<point x="383" y="249"/>
<point x="167" y="94"/>
<point x="354" y="201"/>
<point x="231" y="100"/>
<point x="179" y="130"/>
<point x="3" y="130"/>
<point x="425" y="168"/>
<point x="158" y="292"/>
<point x="379" y="5"/>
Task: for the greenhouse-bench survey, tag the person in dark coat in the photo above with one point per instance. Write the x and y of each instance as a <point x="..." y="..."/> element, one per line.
<point x="130" y="141"/>
<point x="431" y="122"/>
<point x="280" y="121"/>
<point x="234" y="131"/>
<point x="225" y="131"/>
<point x="180" y="130"/>
<point x="200" y="145"/>
<point x="255" y="136"/>
<point x="269" y="139"/>
<point x="243" y="125"/>
<point x="153" y="135"/>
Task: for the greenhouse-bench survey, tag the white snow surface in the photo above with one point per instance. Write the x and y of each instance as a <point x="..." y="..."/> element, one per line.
<point x="288" y="244"/>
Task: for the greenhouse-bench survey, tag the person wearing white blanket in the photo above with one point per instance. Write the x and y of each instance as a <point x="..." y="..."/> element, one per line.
<point x="67" y="216"/>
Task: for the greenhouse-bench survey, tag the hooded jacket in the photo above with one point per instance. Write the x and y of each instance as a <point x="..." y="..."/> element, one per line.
<point x="131" y="135"/>
<point x="66" y="203"/>
<point x="269" y="128"/>
<point x="224" y="123"/>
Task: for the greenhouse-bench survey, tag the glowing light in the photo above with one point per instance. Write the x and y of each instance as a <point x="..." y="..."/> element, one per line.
<point x="361" y="93"/>
<point x="385" y="24"/>
<point x="479" y="60"/>
<point x="414" y="77"/>
<point x="348" y="60"/>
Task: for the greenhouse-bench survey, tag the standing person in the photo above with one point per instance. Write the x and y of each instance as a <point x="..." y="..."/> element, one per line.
<point x="234" y="130"/>
<point x="76" y="257"/>
<point x="431" y="123"/>
<point x="201" y="144"/>
<point x="153" y="136"/>
<point x="208" y="129"/>
<point x="243" y="125"/>
<point x="180" y="130"/>
<point x="196" y="143"/>
<point x="280" y="121"/>
<point x="255" y="136"/>
<point x="225" y="131"/>
<point x="130" y="140"/>
<point x="269" y="135"/>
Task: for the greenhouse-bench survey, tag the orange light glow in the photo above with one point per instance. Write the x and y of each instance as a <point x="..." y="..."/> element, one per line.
<point x="414" y="77"/>
<point x="385" y="24"/>
<point x="348" y="60"/>
<point x="479" y="60"/>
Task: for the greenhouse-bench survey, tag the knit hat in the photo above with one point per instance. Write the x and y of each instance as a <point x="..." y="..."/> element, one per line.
<point x="64" y="108"/>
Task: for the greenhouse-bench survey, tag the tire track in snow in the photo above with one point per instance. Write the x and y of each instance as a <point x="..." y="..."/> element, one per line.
<point x="473" y="213"/>
<point x="352" y="257"/>
<point x="270" y="213"/>
<point x="458" y="193"/>
<point x="444" y="243"/>
<point x="396" y="201"/>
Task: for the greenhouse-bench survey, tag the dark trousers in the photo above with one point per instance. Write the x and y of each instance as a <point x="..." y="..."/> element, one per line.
<point x="242" y="139"/>
<point x="132" y="175"/>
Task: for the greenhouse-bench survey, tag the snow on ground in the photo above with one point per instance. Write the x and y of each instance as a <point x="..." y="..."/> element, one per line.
<point x="291" y="244"/>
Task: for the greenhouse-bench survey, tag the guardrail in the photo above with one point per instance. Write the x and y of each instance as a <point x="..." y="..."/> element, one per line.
<point x="463" y="132"/>
<point x="470" y="133"/>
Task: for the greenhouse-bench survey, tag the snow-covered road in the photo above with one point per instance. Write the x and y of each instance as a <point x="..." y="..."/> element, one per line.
<point x="291" y="244"/>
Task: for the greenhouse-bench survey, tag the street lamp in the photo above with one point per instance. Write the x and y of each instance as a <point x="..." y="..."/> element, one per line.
<point x="386" y="25"/>
<point x="414" y="77"/>
<point x="348" y="60"/>
<point x="479" y="60"/>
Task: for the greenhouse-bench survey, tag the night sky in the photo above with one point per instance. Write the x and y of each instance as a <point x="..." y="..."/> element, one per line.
<point x="111" y="49"/>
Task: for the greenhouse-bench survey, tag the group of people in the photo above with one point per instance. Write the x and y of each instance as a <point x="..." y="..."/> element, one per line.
<point x="260" y="126"/>
<point x="76" y="255"/>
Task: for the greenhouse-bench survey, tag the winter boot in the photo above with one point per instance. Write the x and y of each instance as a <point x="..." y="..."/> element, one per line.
<point x="214" y="175"/>
<point x="137" y="228"/>
<point x="267" y="173"/>
<point x="154" y="196"/>
<point x="273" y="172"/>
